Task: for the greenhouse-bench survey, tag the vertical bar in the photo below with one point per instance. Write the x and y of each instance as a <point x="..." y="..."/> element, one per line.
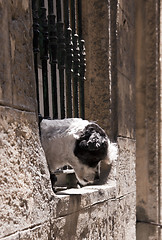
<point x="76" y="66"/>
<point x="70" y="55"/>
<point x="36" y="48"/>
<point x="53" y="55"/>
<point x="69" y="58"/>
<point x="82" y="59"/>
<point x="76" y="62"/>
<point x="50" y="7"/>
<point x="44" y="55"/>
<point x="73" y="17"/>
<point x="79" y="10"/>
<point x="82" y="78"/>
<point x="58" y="7"/>
<point x="61" y="56"/>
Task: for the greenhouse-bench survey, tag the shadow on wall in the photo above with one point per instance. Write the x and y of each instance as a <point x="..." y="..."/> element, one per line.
<point x="66" y="226"/>
<point x="72" y="219"/>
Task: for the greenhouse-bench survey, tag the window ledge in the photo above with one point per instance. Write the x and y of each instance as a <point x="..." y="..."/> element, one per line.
<point x="72" y="200"/>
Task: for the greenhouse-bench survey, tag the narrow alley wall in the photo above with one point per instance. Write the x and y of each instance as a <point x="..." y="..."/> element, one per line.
<point x="29" y="208"/>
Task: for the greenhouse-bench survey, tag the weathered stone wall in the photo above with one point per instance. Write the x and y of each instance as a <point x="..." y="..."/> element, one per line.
<point x="97" y="87"/>
<point x="148" y="132"/>
<point x="109" y="32"/>
<point x="25" y="190"/>
<point x="29" y="209"/>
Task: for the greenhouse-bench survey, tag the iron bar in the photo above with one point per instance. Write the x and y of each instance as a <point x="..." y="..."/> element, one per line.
<point x="44" y="55"/>
<point x="82" y="59"/>
<point x="61" y="38"/>
<point x="36" y="48"/>
<point x="82" y="78"/>
<point x="61" y="55"/>
<point x="79" y="18"/>
<point x="69" y="58"/>
<point x="73" y="17"/>
<point x="76" y="61"/>
<point x="53" y="55"/>
<point x="76" y="75"/>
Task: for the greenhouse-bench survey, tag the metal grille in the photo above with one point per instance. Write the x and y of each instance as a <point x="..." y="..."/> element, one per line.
<point x="59" y="58"/>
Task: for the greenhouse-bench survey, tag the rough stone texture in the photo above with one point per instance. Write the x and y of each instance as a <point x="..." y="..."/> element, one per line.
<point x="24" y="177"/>
<point x="85" y="224"/>
<point x="109" y="219"/>
<point x="37" y="232"/>
<point x="78" y="220"/>
<point x="5" y="68"/>
<point x="25" y="191"/>
<point x="160" y="117"/>
<point x="115" y="68"/>
<point x="110" y="71"/>
<point x="148" y="85"/>
<point x="15" y="236"/>
<point x="126" y="69"/>
<point x="147" y="128"/>
<point x="16" y="72"/>
<point x="40" y="231"/>
<point x="146" y="231"/>
<point x="92" y="213"/>
<point x="97" y="86"/>
<point x="79" y="199"/>
<point x="125" y="217"/>
<point x="125" y="167"/>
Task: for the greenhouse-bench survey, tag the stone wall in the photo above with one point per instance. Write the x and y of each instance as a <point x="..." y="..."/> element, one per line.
<point x="25" y="190"/>
<point x="148" y="123"/>
<point x="29" y="208"/>
<point x="109" y="32"/>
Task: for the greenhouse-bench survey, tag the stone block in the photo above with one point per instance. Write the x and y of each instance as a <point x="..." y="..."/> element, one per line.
<point x="126" y="34"/>
<point x="41" y="231"/>
<point x="95" y="33"/>
<point x="21" y="43"/>
<point x="122" y="214"/>
<point x="88" y="223"/>
<point x="126" y="68"/>
<point x="148" y="161"/>
<point x="73" y="200"/>
<point x="125" y="167"/>
<point x="14" y="236"/>
<point x="5" y="67"/>
<point x="38" y="232"/>
<point x="25" y="189"/>
<point x="111" y="219"/>
<point x="126" y="107"/>
<point x="17" y="86"/>
<point x="148" y="231"/>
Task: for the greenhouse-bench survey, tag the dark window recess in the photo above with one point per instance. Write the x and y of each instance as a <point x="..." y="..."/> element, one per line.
<point x="59" y="58"/>
<point x="59" y="62"/>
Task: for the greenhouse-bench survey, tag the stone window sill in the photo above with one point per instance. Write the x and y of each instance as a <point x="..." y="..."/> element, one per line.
<point x="72" y="200"/>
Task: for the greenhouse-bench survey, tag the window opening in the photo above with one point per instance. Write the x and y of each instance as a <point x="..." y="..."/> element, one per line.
<point x="59" y="63"/>
<point x="59" y="58"/>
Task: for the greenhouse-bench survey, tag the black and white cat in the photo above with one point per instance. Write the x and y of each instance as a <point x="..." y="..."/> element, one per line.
<point x="76" y="142"/>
